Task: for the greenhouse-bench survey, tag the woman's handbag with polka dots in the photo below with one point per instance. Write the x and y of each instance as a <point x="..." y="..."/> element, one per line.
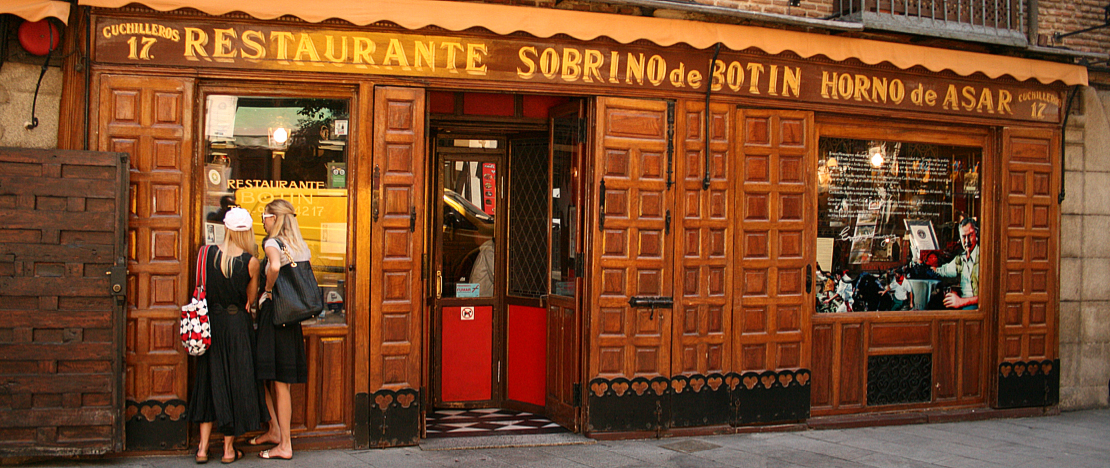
<point x="196" y="332"/>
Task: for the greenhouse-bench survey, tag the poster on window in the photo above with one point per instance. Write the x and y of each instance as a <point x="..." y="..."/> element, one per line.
<point x="902" y="221"/>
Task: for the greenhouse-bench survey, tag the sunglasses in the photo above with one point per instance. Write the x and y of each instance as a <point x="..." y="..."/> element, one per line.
<point x="267" y="215"/>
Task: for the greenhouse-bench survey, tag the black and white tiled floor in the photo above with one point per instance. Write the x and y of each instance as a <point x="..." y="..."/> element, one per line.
<point x="487" y="421"/>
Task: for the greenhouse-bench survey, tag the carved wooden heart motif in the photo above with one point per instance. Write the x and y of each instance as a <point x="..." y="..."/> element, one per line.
<point x="785" y="379"/>
<point x="1019" y="369"/>
<point x="620" y="388"/>
<point x="383" y="401"/>
<point x="1047" y="367"/>
<point x="732" y="382"/>
<point x="768" y="381"/>
<point x="132" y="411"/>
<point x="599" y="388"/>
<point x="405" y="399"/>
<point x="803" y="378"/>
<point x="697" y="383"/>
<point x="660" y="387"/>
<point x="678" y="385"/>
<point x="715" y="383"/>
<point x="750" y="382"/>
<point x="175" y="411"/>
<point x="1005" y="371"/>
<point x="639" y="387"/>
<point x="1033" y="369"/>
<point x="151" y="411"/>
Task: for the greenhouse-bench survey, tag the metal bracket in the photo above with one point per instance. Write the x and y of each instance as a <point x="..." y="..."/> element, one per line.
<point x="117" y="279"/>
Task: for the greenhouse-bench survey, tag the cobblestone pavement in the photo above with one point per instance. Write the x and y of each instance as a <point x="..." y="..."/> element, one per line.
<point x="1071" y="439"/>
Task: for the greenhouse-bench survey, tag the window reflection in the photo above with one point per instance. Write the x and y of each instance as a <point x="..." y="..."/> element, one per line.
<point x="261" y="148"/>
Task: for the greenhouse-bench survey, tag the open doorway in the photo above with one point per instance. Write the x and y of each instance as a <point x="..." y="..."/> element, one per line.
<point x="503" y="249"/>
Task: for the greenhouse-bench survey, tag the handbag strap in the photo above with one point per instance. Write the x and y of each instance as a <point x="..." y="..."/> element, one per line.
<point x="285" y="250"/>
<point x="202" y="272"/>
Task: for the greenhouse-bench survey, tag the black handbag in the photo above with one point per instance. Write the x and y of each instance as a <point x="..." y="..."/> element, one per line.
<point x="296" y="295"/>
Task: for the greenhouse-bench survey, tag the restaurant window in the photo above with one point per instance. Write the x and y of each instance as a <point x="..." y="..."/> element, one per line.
<point x="258" y="149"/>
<point x="898" y="226"/>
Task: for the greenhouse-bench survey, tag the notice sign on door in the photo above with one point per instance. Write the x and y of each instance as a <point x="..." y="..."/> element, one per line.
<point x="467" y="313"/>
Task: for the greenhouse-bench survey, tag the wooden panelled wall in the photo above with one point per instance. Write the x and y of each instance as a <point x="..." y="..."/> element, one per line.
<point x="151" y="118"/>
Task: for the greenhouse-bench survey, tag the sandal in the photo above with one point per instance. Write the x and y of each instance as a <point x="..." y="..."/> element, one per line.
<point x="238" y="455"/>
<point x="265" y="454"/>
<point x="201" y="458"/>
<point x="255" y="441"/>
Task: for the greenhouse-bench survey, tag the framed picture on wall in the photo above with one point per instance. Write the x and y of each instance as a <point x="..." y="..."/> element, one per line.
<point x="922" y="234"/>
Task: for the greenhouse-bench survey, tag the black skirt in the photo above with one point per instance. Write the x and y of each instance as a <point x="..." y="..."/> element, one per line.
<point x="225" y="391"/>
<point x="280" y="352"/>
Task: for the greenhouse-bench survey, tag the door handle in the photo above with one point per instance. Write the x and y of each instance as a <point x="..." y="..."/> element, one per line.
<point x="376" y="186"/>
<point x="809" y="279"/>
<point x="601" y="207"/>
<point x="439" y="284"/>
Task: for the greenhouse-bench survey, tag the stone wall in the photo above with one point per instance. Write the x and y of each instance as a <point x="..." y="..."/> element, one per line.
<point x="1085" y="255"/>
<point x="17" y="92"/>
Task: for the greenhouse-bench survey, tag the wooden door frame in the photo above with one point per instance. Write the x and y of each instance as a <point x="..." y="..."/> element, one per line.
<point x="435" y="307"/>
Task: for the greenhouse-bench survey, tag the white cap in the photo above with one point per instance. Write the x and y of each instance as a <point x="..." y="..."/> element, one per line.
<point x="238" y="219"/>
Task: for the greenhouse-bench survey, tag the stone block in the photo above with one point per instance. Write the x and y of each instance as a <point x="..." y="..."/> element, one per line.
<point x="1074" y="194"/>
<point x="1071" y="279"/>
<point x="1094" y="364"/>
<point x="1096" y="236"/>
<point x="1077" y="398"/>
<point x="1096" y="134"/>
<point x="1071" y="330"/>
<point x="1096" y="193"/>
<point x="1071" y="233"/>
<point x="1095" y="322"/>
<point x="1074" y="153"/>
<point x="1069" y="364"/>
<point x="1096" y="280"/>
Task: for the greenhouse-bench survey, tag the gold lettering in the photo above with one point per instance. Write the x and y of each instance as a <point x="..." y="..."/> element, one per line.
<point x="717" y="81"/>
<point x="951" y="100"/>
<point x="283" y="39"/>
<point x="195" y="40"/>
<point x="792" y="81"/>
<point x="755" y="69"/>
<point x="677" y="76"/>
<point x="614" y="65"/>
<point x="252" y="40"/>
<point x="549" y="63"/>
<point x="425" y="53"/>
<point x="222" y="43"/>
<point x="571" y="68"/>
<point x="635" y="69"/>
<point x="329" y="52"/>
<point x="844" y="86"/>
<point x="878" y="89"/>
<point x="897" y="91"/>
<point x="306" y="47"/>
<point x="657" y="70"/>
<point x="985" y="99"/>
<point x="969" y="98"/>
<point x="1004" y="98"/>
<point x="363" y="48"/>
<point x="452" y="48"/>
<point x="523" y="54"/>
<point x="862" y="85"/>
<point x="735" y="76"/>
<point x="828" y="86"/>
<point x="694" y="78"/>
<point x="592" y="68"/>
<point x="474" y="53"/>
<point x="773" y="89"/>
<point x="395" y="54"/>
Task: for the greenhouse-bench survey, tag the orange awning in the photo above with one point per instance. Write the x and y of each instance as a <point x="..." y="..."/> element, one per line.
<point x="34" y="10"/>
<point x="545" y="23"/>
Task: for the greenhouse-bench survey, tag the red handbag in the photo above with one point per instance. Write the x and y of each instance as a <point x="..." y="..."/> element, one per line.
<point x="196" y="331"/>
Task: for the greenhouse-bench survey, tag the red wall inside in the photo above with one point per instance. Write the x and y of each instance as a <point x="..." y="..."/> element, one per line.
<point x="467" y="355"/>
<point x="527" y="356"/>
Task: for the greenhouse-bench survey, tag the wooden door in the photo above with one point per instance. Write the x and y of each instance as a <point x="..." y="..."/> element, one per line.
<point x="564" y="317"/>
<point x="397" y="173"/>
<point x="151" y="119"/>
<point x="632" y="246"/>
<point x="777" y="223"/>
<point x="1029" y="367"/>
<point x="61" y="352"/>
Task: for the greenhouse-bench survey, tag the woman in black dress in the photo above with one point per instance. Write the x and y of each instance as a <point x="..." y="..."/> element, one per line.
<point x="280" y="355"/>
<point x="225" y="392"/>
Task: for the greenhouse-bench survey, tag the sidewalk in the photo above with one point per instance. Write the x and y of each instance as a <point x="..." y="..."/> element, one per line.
<point x="1073" y="439"/>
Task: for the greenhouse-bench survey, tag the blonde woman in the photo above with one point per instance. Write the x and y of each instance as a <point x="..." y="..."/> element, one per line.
<point x="225" y="393"/>
<point x="280" y="356"/>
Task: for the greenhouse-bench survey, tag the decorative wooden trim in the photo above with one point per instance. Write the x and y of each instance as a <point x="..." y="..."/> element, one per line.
<point x="156" y="425"/>
<point x="395" y="418"/>
<point x="1027" y="384"/>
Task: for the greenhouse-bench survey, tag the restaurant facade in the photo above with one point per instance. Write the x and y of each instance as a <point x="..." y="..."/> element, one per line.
<point x="633" y="226"/>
